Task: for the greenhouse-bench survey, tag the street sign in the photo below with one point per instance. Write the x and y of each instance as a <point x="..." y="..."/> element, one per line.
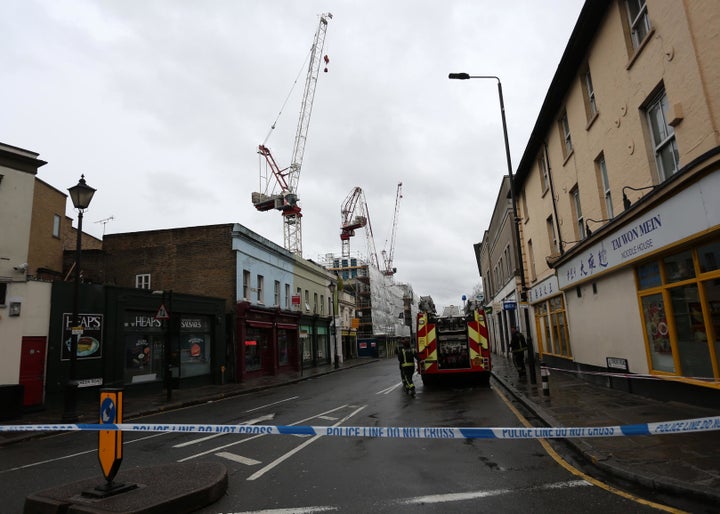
<point x="509" y="306"/>
<point x="110" y="441"/>
<point x="162" y="313"/>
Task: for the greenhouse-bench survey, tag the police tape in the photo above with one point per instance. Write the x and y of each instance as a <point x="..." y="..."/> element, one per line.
<point x="658" y="428"/>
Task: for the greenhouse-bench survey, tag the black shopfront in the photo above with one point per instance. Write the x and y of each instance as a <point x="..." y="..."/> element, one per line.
<point x="126" y="343"/>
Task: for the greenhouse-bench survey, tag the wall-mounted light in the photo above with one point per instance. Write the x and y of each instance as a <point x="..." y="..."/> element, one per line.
<point x="626" y="202"/>
<point x="587" y="227"/>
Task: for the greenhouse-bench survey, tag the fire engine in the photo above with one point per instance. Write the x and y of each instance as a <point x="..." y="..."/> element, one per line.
<point x="454" y="344"/>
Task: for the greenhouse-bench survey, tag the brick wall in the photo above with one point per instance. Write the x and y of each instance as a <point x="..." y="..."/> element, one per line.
<point x="193" y="260"/>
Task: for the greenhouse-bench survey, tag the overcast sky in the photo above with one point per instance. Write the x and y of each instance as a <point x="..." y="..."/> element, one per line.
<point x="163" y="103"/>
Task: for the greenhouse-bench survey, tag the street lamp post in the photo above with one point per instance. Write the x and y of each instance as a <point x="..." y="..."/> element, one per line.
<point x="516" y="224"/>
<point x="332" y="287"/>
<point x="80" y="194"/>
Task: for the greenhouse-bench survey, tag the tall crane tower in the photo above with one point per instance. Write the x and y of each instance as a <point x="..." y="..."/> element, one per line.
<point x="354" y="214"/>
<point x="286" y="179"/>
<point x="389" y="255"/>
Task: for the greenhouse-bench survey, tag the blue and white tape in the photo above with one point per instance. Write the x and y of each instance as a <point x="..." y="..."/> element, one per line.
<point x="659" y="428"/>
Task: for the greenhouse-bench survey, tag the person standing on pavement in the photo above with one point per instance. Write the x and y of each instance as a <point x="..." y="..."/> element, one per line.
<point x="518" y="346"/>
<point x="406" y="359"/>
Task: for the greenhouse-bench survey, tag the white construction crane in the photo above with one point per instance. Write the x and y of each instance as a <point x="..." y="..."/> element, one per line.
<point x="286" y="201"/>
<point x="354" y="214"/>
<point x="389" y="255"/>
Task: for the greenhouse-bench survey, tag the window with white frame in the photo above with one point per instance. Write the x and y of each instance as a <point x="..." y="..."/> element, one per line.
<point x="307" y="300"/>
<point x="276" y="300"/>
<point x="287" y="296"/>
<point x="260" y="289"/>
<point x="663" y="136"/>
<point x="638" y="20"/>
<point x="246" y="285"/>
<point x="552" y="236"/>
<point x="589" y="95"/>
<point x="315" y="303"/>
<point x="605" y="187"/>
<point x="142" y="281"/>
<point x="565" y="134"/>
<point x="577" y="212"/>
<point x="544" y="176"/>
<point x="56" y="225"/>
<point x="531" y="258"/>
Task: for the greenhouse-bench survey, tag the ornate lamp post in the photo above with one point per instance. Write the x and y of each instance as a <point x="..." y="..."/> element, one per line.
<point x="81" y="194"/>
<point x="523" y="287"/>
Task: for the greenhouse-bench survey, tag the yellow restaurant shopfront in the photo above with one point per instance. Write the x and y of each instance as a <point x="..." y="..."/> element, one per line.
<point x="646" y="294"/>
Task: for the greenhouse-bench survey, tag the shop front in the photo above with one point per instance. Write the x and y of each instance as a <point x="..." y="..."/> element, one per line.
<point x="267" y="341"/>
<point x="132" y="337"/>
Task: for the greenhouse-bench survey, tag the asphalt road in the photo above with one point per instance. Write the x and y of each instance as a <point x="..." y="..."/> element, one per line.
<point x="293" y="473"/>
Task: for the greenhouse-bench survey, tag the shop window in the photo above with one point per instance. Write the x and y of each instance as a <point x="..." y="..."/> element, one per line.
<point x="649" y="275"/>
<point x="255" y="340"/>
<point x="657" y="332"/>
<point x="681" y="312"/>
<point x="195" y="346"/>
<point x="709" y="257"/>
<point x="551" y="324"/>
<point x="283" y="340"/>
<point x="691" y="333"/>
<point x="679" y="267"/>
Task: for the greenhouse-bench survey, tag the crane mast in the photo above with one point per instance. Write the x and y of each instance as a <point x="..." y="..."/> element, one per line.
<point x="287" y="178"/>
<point x="389" y="255"/>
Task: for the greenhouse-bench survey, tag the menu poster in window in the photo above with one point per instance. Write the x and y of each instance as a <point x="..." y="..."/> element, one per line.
<point x="89" y="345"/>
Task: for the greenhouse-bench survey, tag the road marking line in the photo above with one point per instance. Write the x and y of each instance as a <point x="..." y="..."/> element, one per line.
<point x="328" y="418"/>
<point x="292" y="452"/>
<point x="390" y="389"/>
<point x="454" y="497"/>
<point x="273" y="403"/>
<point x="238" y="458"/>
<point x="297" y="510"/>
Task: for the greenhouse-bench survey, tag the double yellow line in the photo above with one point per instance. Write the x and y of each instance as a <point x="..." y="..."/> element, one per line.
<point x="550" y="451"/>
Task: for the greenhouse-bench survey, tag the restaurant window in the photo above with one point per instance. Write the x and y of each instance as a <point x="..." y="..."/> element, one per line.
<point x="195" y="345"/>
<point x="679" y="295"/>
<point x="551" y="327"/>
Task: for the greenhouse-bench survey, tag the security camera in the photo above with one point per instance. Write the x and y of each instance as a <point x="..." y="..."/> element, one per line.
<point x="22" y="267"/>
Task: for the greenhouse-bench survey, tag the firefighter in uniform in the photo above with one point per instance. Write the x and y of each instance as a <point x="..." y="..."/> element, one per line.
<point x="406" y="358"/>
<point x="518" y="346"/>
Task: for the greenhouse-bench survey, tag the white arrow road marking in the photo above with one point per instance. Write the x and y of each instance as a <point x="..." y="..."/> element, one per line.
<point x="289" y="454"/>
<point x="238" y="458"/>
<point x="390" y="389"/>
<point x="255" y="421"/>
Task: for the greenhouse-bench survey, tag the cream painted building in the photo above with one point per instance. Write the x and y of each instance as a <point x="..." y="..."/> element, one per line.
<point x="24" y="305"/>
<point x="617" y="193"/>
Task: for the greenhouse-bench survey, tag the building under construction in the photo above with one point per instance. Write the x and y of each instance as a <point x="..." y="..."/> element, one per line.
<point x="384" y="310"/>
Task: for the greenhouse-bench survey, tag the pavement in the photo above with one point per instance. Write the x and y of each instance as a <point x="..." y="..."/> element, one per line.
<point x="682" y="463"/>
